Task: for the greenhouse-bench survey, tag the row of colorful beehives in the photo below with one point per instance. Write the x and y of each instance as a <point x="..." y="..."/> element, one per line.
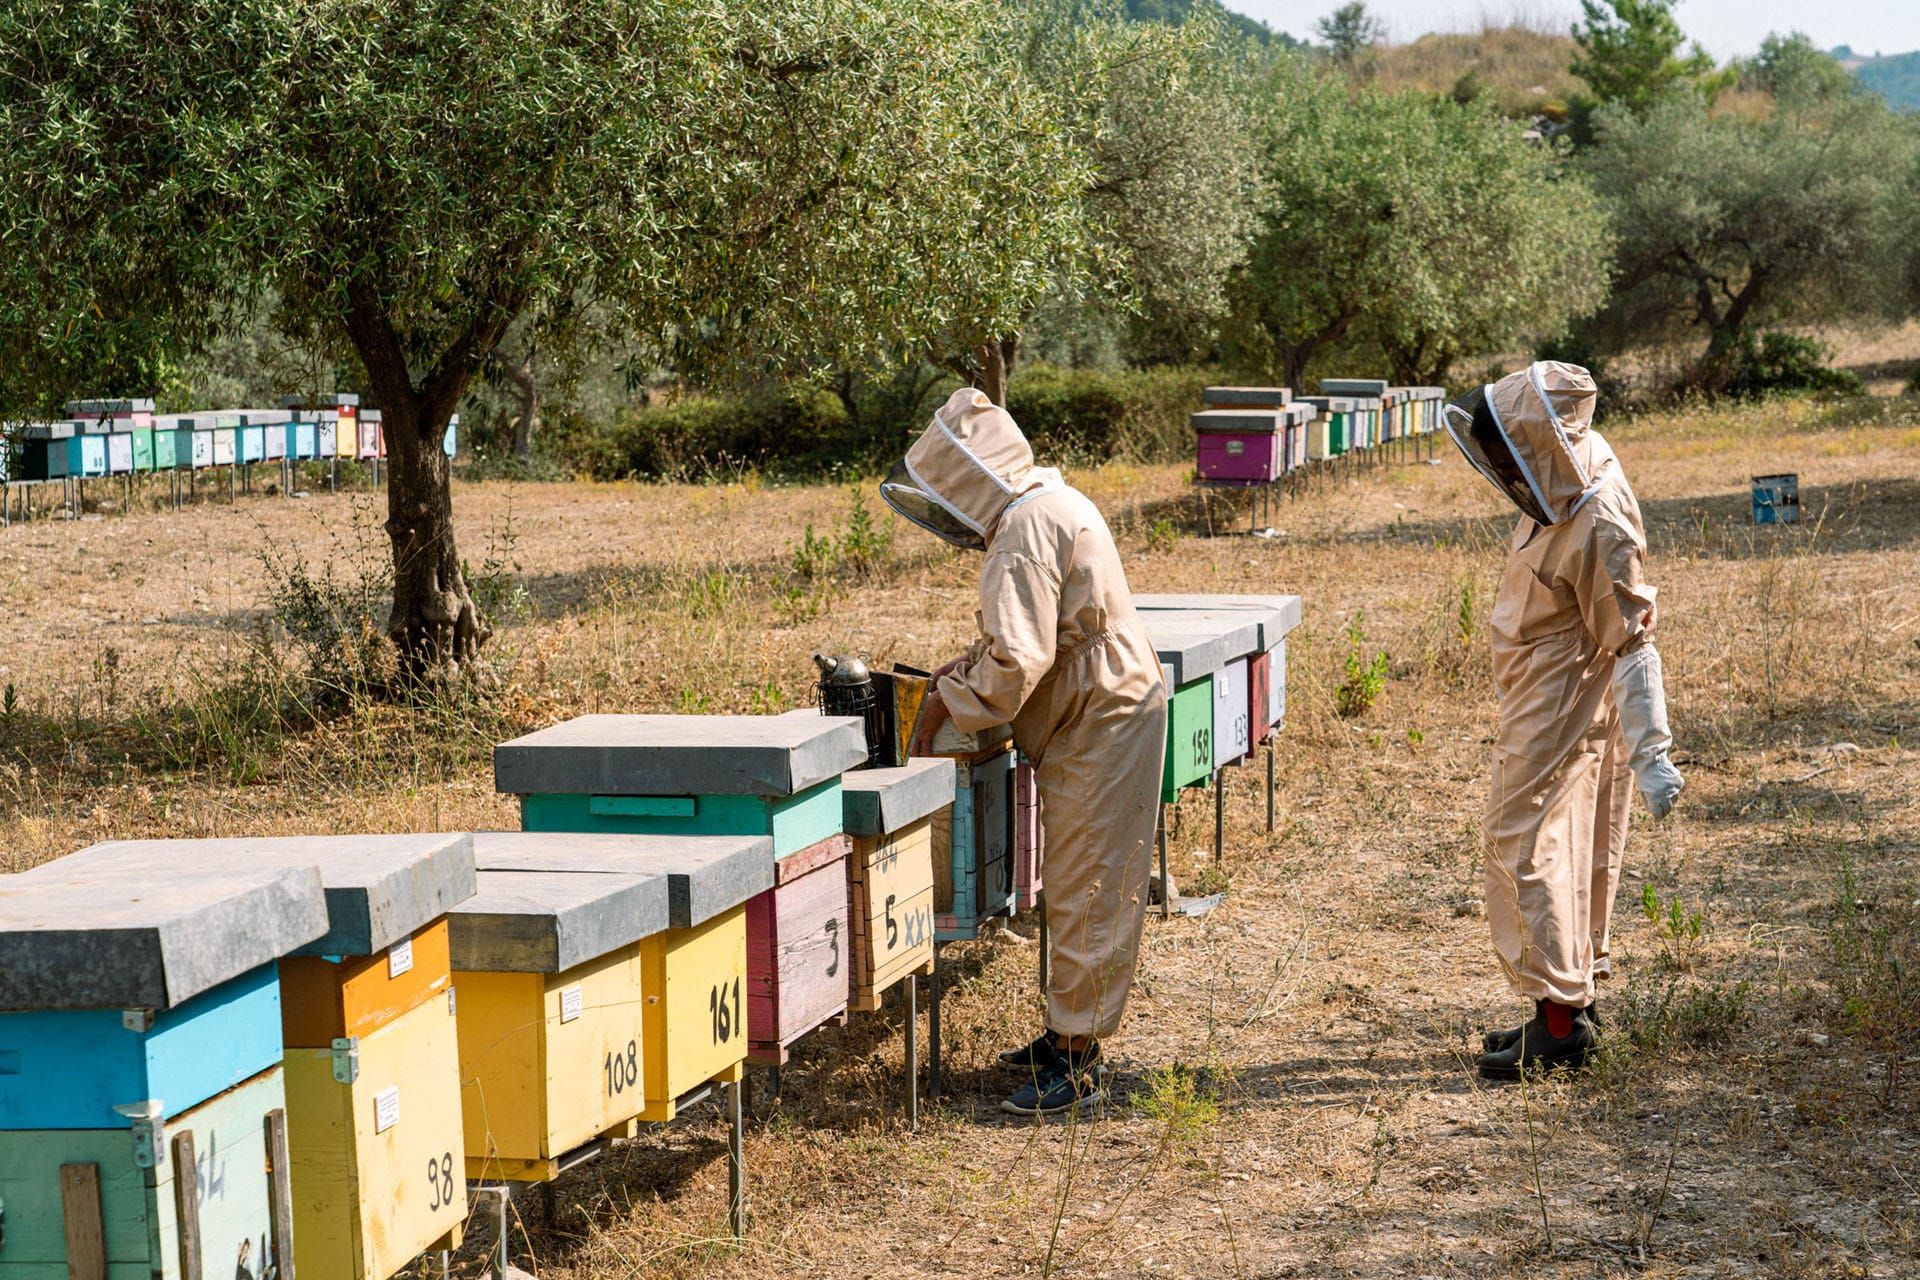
<point x="126" y="437"/>
<point x="220" y="1057"/>
<point x="1250" y="436"/>
<point x="1224" y="661"/>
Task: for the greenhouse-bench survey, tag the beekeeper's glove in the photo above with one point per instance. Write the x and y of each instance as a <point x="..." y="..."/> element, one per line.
<point x="1641" y="695"/>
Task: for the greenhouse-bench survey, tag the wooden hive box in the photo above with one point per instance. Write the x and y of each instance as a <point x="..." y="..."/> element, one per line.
<point x="799" y="950"/>
<point x="973" y="847"/>
<point x="551" y="1014"/>
<point x="120" y="453"/>
<point x="367" y="1018"/>
<point x="141" y="441"/>
<point x="1232" y="721"/>
<point x="1238" y="446"/>
<point x="79" y="456"/>
<point x="1027" y="837"/>
<point x="250" y="442"/>
<point x="1188" y="659"/>
<point x="777" y="776"/>
<point x="326" y="435"/>
<point x="346" y="432"/>
<point x="303" y="439"/>
<point x="226" y="442"/>
<point x="890" y="815"/>
<point x="1272" y="616"/>
<point x="143" y="1104"/>
<point x="694" y="968"/>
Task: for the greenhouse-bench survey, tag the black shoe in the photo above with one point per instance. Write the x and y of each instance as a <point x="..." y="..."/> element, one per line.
<point x="1535" y="1050"/>
<point x="1065" y="1084"/>
<point x="1495" y="1041"/>
<point x="1033" y="1056"/>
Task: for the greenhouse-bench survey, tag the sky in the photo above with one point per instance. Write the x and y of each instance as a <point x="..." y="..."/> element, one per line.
<point x="1725" y="28"/>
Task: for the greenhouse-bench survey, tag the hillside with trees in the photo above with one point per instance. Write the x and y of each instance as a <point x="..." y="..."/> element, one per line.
<point x="1895" y="77"/>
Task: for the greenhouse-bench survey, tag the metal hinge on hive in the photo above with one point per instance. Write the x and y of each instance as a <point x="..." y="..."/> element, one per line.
<point x="149" y="1150"/>
<point x="346" y="1059"/>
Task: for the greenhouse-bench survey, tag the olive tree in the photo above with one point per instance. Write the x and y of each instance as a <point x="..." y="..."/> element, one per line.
<point x="1726" y="222"/>
<point x="1512" y="249"/>
<point x="1430" y="226"/>
<point x="410" y="179"/>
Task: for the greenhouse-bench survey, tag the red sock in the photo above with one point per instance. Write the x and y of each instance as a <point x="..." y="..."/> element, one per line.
<point x="1559" y="1019"/>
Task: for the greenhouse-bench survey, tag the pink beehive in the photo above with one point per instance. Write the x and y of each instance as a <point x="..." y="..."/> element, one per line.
<point x="798" y="950"/>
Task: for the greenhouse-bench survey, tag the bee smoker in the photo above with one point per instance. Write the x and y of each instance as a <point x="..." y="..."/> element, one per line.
<point x="846" y="689"/>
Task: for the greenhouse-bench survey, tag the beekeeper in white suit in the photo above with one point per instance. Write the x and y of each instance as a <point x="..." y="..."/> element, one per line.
<point x="1583" y="712"/>
<point x="1064" y="659"/>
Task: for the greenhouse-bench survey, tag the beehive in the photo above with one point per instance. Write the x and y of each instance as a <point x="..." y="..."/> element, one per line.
<point x="777" y="776"/>
<point x="799" y="944"/>
<point x="1232" y="721"/>
<point x="551" y="1014"/>
<point x="973" y="847"/>
<point x="142" y="1120"/>
<point x="1271" y="617"/>
<point x="1027" y="844"/>
<point x="1238" y="446"/>
<point x="1188" y="660"/>
<point x="119" y="453"/>
<point x="140" y="440"/>
<point x="372" y="1059"/>
<point x="226" y="446"/>
<point x="691" y="1034"/>
<point x="890" y="814"/>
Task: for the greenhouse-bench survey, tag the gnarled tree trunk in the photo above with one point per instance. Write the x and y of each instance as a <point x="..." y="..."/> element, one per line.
<point x="433" y="623"/>
<point x="520" y="373"/>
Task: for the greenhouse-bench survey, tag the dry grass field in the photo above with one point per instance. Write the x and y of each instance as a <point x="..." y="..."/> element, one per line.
<point x="1293" y="1096"/>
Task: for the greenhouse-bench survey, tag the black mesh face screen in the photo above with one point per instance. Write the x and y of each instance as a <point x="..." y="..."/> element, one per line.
<point x="907" y="498"/>
<point x="1471" y="423"/>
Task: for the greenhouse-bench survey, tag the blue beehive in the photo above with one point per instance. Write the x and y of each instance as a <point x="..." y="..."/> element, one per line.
<point x="142" y="1110"/>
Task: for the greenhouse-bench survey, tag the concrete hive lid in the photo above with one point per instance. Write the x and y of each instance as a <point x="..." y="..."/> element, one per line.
<point x="663" y="755"/>
<point x="379" y="889"/>
<point x="1330" y="404"/>
<point x="1190" y="654"/>
<point x="704" y="875"/>
<point x="1280" y="614"/>
<point x="1238" y="629"/>
<point x="1272" y="397"/>
<point x="92" y="938"/>
<point x="550" y="921"/>
<point x="1243" y="420"/>
<point x="877" y="802"/>
<point x="1373" y="387"/>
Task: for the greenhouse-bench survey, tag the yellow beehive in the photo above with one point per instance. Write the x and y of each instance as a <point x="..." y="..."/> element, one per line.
<point x="696" y="983"/>
<point x="552" y="1002"/>
<point x="378" y="1169"/>
<point x="892" y="815"/>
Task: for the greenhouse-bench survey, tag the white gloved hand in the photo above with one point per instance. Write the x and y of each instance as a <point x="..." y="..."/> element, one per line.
<point x="1641" y="695"/>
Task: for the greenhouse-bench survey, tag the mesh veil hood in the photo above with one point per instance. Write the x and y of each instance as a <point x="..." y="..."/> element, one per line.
<point x="1545" y="412"/>
<point x="973" y="461"/>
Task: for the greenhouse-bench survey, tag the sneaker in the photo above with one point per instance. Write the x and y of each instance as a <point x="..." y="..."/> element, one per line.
<point x="1535" y="1050"/>
<point x="1495" y="1041"/>
<point x="1031" y="1057"/>
<point x="1061" y="1086"/>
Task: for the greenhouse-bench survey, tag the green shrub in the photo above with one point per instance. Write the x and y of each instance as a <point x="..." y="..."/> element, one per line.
<point x="1093" y="415"/>
<point x="1365" y="678"/>
<point x="1775" y="362"/>
<point x="795" y="432"/>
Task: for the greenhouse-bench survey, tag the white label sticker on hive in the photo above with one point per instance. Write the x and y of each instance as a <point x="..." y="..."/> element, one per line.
<point x="386" y="1109"/>
<point x="570" y="1003"/>
<point x="399" y="958"/>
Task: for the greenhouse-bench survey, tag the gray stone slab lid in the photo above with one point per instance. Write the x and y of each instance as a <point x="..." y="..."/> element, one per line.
<point x="550" y="921"/>
<point x="1238" y="629"/>
<point x="1286" y="607"/>
<point x="83" y="408"/>
<point x="1242" y="420"/>
<point x="704" y="875"/>
<point x="1188" y="653"/>
<point x="661" y="755"/>
<point x="1269" y="396"/>
<point x="877" y="802"/>
<point x="1330" y="404"/>
<point x="112" y="939"/>
<point x="1374" y="387"/>
<point x="380" y="889"/>
<point x="48" y="431"/>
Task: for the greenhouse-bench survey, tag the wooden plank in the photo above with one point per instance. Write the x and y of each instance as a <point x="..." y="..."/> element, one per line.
<point x="186" y="1205"/>
<point x="280" y="1194"/>
<point x="80" y="1214"/>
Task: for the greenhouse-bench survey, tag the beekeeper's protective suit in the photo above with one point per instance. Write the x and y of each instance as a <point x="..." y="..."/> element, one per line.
<point x="1582" y="707"/>
<point x="1064" y="659"/>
